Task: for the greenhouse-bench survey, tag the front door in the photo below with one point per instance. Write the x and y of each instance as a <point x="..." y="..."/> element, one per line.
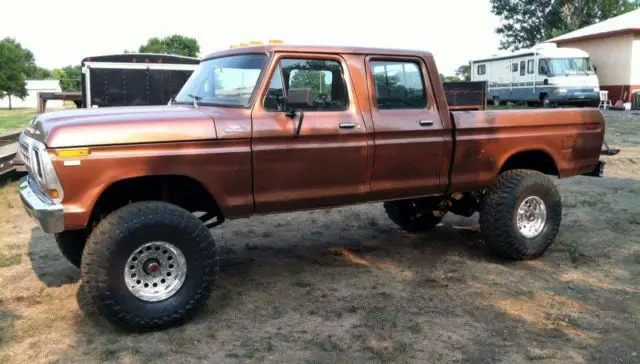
<point x="409" y="133"/>
<point x="325" y="163"/>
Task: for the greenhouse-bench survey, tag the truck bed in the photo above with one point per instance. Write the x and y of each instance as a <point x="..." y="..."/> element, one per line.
<point x="562" y="142"/>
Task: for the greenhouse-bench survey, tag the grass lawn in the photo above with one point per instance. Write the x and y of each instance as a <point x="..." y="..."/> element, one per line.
<point x="15" y="119"/>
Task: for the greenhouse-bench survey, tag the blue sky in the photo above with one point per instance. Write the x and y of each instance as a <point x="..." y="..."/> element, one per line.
<point x="62" y="33"/>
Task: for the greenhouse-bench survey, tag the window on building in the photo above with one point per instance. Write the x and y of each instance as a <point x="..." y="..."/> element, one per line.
<point x="481" y="70"/>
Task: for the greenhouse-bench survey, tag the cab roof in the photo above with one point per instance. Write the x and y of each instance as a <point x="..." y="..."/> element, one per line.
<point x="269" y="48"/>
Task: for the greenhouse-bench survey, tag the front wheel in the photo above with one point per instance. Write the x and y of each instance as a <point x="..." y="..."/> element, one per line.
<point x="520" y="216"/>
<point x="545" y="101"/>
<point x="149" y="265"/>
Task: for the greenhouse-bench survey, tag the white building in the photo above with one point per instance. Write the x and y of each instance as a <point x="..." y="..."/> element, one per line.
<point x="31" y="101"/>
<point x="614" y="48"/>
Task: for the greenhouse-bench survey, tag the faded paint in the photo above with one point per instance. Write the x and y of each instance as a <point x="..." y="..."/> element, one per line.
<point x="257" y="163"/>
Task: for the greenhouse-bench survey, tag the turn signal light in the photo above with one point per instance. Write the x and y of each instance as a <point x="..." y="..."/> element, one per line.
<point x="73" y="153"/>
<point x="53" y="193"/>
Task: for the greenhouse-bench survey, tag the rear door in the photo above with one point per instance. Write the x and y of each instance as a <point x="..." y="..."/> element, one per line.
<point x="409" y="133"/>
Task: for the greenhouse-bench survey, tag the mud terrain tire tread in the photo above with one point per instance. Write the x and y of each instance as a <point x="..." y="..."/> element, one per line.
<point x="112" y="239"/>
<point x="500" y="204"/>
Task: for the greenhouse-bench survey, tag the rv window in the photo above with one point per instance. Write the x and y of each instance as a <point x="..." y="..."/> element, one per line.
<point x="530" y="66"/>
<point x="398" y="85"/>
<point x="514" y="67"/>
<point x="522" y="65"/>
<point x="543" y="68"/>
<point x="482" y="69"/>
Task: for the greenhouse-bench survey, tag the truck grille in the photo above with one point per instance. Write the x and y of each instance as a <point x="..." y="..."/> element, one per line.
<point x="24" y="153"/>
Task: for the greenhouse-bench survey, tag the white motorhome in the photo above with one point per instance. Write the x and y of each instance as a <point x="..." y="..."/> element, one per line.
<point x="544" y="74"/>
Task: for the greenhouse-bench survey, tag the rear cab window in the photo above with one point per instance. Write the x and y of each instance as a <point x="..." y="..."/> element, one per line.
<point x="398" y="84"/>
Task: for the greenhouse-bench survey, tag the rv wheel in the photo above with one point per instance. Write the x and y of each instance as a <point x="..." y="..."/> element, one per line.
<point x="544" y="100"/>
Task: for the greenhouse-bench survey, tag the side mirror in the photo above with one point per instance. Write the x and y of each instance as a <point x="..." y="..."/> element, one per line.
<point x="298" y="98"/>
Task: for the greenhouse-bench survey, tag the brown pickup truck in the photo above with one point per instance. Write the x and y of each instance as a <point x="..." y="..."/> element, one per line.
<point x="132" y="192"/>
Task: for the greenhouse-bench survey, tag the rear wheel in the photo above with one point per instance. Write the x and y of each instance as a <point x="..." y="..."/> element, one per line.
<point x="414" y="215"/>
<point x="520" y="216"/>
<point x="71" y="245"/>
<point x="149" y="265"/>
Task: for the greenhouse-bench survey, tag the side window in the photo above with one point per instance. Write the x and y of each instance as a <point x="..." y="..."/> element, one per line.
<point x="530" y="66"/>
<point x="398" y="85"/>
<point x="514" y="67"/>
<point x="522" y="68"/>
<point x="307" y="84"/>
<point x="543" y="68"/>
<point x="482" y="69"/>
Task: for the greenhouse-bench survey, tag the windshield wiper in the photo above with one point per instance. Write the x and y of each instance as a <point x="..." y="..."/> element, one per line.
<point x="195" y="99"/>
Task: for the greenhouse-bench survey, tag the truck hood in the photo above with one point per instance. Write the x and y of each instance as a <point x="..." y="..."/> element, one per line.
<point x="121" y="125"/>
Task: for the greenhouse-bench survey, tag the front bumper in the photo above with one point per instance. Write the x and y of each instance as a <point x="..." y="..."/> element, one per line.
<point x="40" y="207"/>
<point x="575" y="96"/>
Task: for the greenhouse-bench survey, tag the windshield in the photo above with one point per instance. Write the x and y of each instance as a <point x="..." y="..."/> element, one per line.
<point x="226" y="81"/>
<point x="561" y="66"/>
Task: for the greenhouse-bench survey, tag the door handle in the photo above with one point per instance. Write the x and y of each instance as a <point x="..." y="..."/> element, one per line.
<point x="426" y="122"/>
<point x="347" y="125"/>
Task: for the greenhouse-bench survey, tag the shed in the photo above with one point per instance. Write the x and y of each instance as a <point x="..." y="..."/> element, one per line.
<point x="31" y="101"/>
<point x="614" y="48"/>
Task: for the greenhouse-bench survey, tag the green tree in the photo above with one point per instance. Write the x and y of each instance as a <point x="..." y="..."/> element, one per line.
<point x="14" y="65"/>
<point x="528" y="22"/>
<point x="464" y="72"/>
<point x="70" y="78"/>
<point x="35" y="72"/>
<point x="444" y="78"/>
<point x="175" y="44"/>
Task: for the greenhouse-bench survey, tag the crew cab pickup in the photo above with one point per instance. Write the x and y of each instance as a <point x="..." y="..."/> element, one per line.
<point x="130" y="193"/>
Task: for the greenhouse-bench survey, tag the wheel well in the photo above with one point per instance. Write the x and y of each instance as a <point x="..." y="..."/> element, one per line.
<point x="535" y="160"/>
<point x="182" y="191"/>
<point x="542" y="95"/>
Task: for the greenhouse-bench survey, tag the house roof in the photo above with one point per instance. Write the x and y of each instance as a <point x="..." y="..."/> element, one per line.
<point x="625" y="23"/>
<point x="43" y="85"/>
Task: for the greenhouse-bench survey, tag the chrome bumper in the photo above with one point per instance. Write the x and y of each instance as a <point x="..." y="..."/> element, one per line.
<point x="48" y="213"/>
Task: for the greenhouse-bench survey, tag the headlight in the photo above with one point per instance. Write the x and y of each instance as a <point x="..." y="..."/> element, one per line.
<point x="596" y="89"/>
<point x="561" y="90"/>
<point x="41" y="168"/>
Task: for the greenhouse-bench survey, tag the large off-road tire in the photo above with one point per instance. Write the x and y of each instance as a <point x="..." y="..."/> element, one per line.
<point x="414" y="215"/>
<point x="71" y="245"/>
<point x="520" y="216"/>
<point x="149" y="265"/>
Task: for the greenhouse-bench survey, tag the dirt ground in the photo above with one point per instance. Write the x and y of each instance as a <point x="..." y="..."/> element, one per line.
<point x="346" y="285"/>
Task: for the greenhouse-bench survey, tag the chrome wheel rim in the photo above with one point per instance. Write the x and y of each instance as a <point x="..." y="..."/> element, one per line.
<point x="531" y="217"/>
<point x="155" y="271"/>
